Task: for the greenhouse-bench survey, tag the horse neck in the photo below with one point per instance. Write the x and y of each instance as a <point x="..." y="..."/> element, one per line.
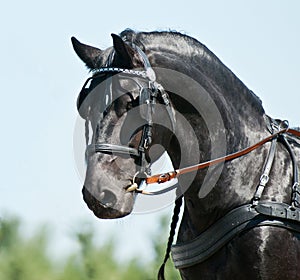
<point x="216" y="190"/>
<point x="222" y="127"/>
<point x="241" y="122"/>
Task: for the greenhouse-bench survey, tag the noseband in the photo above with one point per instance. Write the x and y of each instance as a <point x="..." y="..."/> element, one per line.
<point x="147" y="99"/>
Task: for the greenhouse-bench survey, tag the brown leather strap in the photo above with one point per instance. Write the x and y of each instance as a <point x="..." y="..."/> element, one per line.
<point x="165" y="177"/>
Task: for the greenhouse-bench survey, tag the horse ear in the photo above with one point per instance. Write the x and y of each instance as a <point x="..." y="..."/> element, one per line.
<point x="123" y="50"/>
<point x="88" y="54"/>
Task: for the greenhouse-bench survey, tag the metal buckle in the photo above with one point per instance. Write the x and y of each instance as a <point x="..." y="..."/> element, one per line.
<point x="264" y="179"/>
<point x="295" y="187"/>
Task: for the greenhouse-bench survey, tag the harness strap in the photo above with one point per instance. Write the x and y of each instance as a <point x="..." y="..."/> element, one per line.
<point x="295" y="187"/>
<point x="267" y="168"/>
<point x="237" y="220"/>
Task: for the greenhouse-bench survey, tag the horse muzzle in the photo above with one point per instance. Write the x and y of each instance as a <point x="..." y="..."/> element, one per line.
<point x="107" y="204"/>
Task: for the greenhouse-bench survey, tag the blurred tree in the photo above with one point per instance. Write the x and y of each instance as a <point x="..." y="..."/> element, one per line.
<point x="20" y="259"/>
<point x="27" y="259"/>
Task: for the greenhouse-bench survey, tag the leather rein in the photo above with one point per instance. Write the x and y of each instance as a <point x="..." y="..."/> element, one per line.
<point x="165" y="177"/>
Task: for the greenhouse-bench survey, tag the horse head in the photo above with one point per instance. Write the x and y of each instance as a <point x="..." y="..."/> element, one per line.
<point x="119" y="102"/>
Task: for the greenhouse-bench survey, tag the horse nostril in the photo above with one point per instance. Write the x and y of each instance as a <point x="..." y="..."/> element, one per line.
<point x="107" y="198"/>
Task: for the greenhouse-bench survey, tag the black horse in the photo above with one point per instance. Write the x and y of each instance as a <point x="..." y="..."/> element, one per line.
<point x="164" y="91"/>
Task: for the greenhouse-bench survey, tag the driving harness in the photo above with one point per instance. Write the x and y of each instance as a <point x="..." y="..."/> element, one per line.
<point x="245" y="217"/>
<point x="255" y="214"/>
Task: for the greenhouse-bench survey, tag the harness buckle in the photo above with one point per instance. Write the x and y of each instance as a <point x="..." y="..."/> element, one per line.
<point x="278" y="125"/>
<point x="147" y="143"/>
<point x="295" y="186"/>
<point x="264" y="179"/>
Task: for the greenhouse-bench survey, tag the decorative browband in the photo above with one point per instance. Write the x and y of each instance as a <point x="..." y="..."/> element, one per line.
<point x="140" y="73"/>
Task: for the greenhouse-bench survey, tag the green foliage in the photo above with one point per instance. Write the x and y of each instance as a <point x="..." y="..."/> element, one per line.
<point x="20" y="259"/>
<point x="27" y="259"/>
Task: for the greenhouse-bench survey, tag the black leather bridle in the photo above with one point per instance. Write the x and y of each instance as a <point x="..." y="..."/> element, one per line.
<point x="148" y="96"/>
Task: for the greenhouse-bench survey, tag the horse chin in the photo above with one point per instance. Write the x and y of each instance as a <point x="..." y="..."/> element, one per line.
<point x="112" y="210"/>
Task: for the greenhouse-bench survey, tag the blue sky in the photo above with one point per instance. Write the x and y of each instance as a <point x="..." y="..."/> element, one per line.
<point x="41" y="76"/>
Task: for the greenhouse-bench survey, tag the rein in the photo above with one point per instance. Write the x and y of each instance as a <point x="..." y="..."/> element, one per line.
<point x="165" y="177"/>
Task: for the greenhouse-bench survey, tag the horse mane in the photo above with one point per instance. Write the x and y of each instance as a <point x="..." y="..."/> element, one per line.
<point x="194" y="53"/>
<point x="188" y="45"/>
